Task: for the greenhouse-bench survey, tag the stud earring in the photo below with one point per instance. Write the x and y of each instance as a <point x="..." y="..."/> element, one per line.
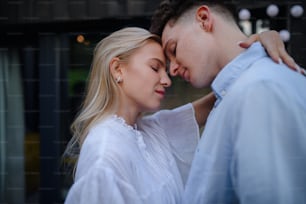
<point x="118" y="80"/>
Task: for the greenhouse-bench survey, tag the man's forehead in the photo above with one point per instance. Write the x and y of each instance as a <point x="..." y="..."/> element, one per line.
<point x="166" y="35"/>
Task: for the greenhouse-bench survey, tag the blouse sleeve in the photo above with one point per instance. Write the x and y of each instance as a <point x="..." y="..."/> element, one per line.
<point x="101" y="185"/>
<point x="182" y="132"/>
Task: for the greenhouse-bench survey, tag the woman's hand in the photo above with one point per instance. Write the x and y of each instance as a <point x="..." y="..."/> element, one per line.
<point x="274" y="46"/>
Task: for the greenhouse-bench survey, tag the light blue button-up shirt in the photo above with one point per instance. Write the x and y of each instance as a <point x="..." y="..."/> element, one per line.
<point x="253" y="148"/>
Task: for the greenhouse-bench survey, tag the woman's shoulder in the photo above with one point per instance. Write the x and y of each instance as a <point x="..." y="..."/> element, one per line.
<point x="107" y="141"/>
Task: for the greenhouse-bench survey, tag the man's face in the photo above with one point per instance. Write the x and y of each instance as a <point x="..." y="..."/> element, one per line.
<point x="190" y="52"/>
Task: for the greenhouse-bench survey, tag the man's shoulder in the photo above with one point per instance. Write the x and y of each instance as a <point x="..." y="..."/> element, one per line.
<point x="265" y="70"/>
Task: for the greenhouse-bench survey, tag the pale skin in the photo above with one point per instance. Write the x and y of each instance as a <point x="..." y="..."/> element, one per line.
<point x="198" y="53"/>
<point x="131" y="105"/>
<point x="144" y="80"/>
<point x="277" y="52"/>
<point x="269" y="39"/>
<point x="147" y="69"/>
<point x="274" y="46"/>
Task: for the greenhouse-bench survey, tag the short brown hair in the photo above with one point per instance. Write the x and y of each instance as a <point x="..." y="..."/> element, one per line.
<point x="174" y="9"/>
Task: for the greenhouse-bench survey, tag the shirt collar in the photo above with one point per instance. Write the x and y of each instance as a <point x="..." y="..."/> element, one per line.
<point x="228" y="75"/>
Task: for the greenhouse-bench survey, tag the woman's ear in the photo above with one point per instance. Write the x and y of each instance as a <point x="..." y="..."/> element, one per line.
<point x="205" y="18"/>
<point x="115" y="68"/>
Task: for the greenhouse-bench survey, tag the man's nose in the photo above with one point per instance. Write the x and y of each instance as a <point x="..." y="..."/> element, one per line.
<point x="174" y="68"/>
<point x="165" y="80"/>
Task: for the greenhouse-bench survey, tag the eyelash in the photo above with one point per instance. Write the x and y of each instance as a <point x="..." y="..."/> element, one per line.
<point x="154" y="69"/>
<point x="173" y="50"/>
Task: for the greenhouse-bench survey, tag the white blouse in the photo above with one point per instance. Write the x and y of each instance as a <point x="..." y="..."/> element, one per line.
<point x="144" y="165"/>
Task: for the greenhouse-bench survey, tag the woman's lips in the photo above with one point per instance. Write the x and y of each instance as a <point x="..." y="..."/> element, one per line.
<point x="160" y="92"/>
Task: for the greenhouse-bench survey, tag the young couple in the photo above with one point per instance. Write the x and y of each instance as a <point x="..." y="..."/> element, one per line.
<point x="252" y="147"/>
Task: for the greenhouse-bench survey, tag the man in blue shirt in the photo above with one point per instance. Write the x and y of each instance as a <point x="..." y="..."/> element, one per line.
<point x="253" y="146"/>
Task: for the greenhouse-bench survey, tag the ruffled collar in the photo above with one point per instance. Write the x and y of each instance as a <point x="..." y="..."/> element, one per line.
<point x="122" y="121"/>
<point x="132" y="128"/>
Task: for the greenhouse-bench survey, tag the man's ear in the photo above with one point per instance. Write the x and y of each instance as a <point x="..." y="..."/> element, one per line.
<point x="115" y="68"/>
<point x="205" y="18"/>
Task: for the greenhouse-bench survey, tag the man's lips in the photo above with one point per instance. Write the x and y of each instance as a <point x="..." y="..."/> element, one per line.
<point x="184" y="75"/>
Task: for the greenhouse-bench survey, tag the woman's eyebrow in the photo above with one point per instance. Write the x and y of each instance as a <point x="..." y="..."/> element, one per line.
<point x="162" y="63"/>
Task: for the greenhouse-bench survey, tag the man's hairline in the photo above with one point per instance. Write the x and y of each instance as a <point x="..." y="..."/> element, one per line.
<point x="177" y="20"/>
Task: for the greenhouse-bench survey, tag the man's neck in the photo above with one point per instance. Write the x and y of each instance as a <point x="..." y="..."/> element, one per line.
<point x="228" y="38"/>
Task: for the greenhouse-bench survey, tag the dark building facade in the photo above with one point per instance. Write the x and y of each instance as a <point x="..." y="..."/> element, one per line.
<point x="45" y="55"/>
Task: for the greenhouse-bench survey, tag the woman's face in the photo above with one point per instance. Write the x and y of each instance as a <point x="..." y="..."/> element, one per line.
<point x="144" y="78"/>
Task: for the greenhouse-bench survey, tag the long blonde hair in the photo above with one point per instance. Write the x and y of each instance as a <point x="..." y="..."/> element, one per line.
<point x="102" y="89"/>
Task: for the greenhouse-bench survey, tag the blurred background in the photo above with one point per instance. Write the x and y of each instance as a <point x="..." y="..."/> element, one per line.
<point x="45" y="54"/>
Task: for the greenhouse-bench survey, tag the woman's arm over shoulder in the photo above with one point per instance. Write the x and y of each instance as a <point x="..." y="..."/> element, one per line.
<point x="274" y="46"/>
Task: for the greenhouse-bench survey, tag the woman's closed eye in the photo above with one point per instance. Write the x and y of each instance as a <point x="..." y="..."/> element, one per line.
<point x="154" y="68"/>
<point x="157" y="64"/>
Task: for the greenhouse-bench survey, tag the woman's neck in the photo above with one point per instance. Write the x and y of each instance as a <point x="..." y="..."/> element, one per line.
<point x="130" y="116"/>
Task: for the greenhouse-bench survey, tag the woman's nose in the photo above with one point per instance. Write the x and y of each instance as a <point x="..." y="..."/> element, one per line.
<point x="165" y="80"/>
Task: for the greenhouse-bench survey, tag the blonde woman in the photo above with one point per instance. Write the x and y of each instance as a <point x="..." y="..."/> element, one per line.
<point x="125" y="157"/>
